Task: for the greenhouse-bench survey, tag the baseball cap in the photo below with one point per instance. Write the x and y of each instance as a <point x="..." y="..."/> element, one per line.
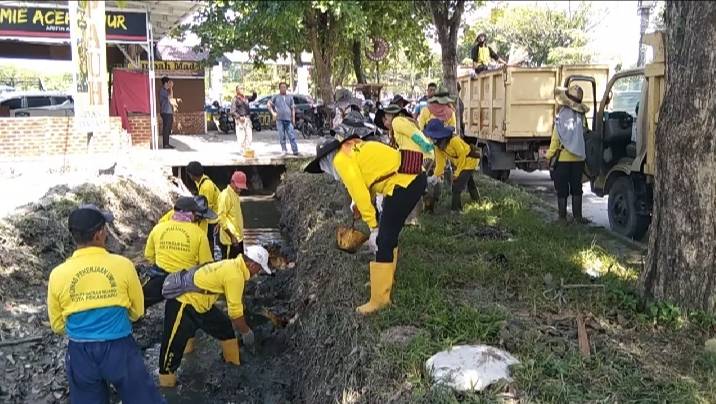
<point x="239" y="179"/>
<point x="259" y="255"/>
<point x="186" y="204"/>
<point x="88" y="217"/>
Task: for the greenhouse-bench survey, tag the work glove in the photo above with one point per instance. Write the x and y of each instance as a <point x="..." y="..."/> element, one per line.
<point x="248" y="339"/>
<point x="354" y="209"/>
<point x="372" y="240"/>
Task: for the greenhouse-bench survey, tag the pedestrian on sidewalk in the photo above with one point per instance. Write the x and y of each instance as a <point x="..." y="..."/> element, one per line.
<point x="167" y="105"/>
<point x="283" y="110"/>
<point x="191" y="305"/>
<point x="206" y="188"/>
<point x="231" y="219"/>
<point x="241" y="112"/>
<point x="93" y="298"/>
<point x="451" y="147"/>
<point x="566" y="152"/>
<point x="173" y="246"/>
<point x="368" y="168"/>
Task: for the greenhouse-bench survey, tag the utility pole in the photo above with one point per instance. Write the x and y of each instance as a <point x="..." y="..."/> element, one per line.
<point x="644" y="10"/>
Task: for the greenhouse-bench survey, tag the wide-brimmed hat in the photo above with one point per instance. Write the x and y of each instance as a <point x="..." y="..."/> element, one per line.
<point x="436" y="129"/>
<point x="442" y="96"/>
<point x="186" y="204"/>
<point x="571" y="98"/>
<point x="399" y="101"/>
<point x="354" y="123"/>
<point x="204" y="211"/>
<point x="325" y="147"/>
<point x="390" y="109"/>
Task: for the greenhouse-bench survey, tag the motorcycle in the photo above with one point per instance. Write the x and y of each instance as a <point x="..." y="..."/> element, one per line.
<point x="311" y="122"/>
<point x="226" y="121"/>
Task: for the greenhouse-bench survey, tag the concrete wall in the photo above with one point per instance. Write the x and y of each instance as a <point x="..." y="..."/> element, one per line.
<point x="33" y="137"/>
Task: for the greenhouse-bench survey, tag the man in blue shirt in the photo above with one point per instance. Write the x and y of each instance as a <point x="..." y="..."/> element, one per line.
<point x="283" y="110"/>
<point x="423" y="102"/>
<point x="166" y="110"/>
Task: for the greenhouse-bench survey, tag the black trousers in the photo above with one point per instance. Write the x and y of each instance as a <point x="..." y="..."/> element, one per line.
<point x="181" y="321"/>
<point x="167" y="122"/>
<point x="568" y="178"/>
<point x="230" y="252"/>
<point x="396" y="209"/>
<point x="464" y="180"/>
<point x="152" y="288"/>
<point x="210" y="236"/>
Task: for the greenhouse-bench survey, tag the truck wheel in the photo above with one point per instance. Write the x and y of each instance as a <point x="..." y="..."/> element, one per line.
<point x="623" y="216"/>
<point x="500" y="175"/>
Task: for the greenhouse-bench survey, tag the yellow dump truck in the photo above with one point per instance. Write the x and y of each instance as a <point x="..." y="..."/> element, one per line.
<point x="620" y="149"/>
<point x="510" y="112"/>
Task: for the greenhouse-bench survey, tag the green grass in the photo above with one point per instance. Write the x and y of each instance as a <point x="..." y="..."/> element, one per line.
<point x="464" y="278"/>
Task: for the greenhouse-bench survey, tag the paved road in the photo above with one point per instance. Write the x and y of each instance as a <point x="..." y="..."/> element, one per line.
<point x="594" y="208"/>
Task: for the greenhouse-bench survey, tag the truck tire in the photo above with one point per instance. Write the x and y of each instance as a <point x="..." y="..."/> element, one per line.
<point x="500" y="175"/>
<point x="623" y="216"/>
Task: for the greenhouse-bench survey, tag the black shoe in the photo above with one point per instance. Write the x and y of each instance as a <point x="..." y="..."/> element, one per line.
<point x="167" y="146"/>
<point x="577" y="210"/>
<point x="562" y="209"/>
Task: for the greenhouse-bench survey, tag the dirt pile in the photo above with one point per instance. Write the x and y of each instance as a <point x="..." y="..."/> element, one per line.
<point x="32" y="242"/>
<point x="333" y="346"/>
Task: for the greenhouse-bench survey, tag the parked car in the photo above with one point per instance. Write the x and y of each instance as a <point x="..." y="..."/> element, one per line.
<point x="260" y="108"/>
<point x="36" y="103"/>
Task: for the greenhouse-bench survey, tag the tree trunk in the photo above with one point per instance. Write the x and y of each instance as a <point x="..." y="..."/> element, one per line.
<point x="446" y="18"/>
<point x="358" y="62"/>
<point x="320" y="28"/>
<point x="681" y="265"/>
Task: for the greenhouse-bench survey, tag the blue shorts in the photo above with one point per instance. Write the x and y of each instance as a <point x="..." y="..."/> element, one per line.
<point x="92" y="366"/>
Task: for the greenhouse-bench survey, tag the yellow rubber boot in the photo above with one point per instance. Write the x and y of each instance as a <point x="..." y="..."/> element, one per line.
<point x="395" y="259"/>
<point x="168" y="380"/>
<point x="381" y="283"/>
<point x="230" y="347"/>
<point x="189" y="348"/>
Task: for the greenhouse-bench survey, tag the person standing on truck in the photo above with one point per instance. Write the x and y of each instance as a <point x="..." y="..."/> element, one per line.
<point x="450" y="147"/>
<point x="191" y="305"/>
<point x="366" y="169"/>
<point x="482" y="55"/>
<point x="242" y="118"/>
<point x="566" y="152"/>
<point x="93" y="298"/>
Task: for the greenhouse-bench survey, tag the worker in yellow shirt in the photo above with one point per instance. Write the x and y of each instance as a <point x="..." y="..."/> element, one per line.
<point x="231" y="220"/>
<point x="205" y="187"/>
<point x="366" y="169"/>
<point x="174" y="245"/>
<point x="93" y="298"/>
<point x="191" y="296"/>
<point x="415" y="148"/>
<point x="204" y="215"/>
<point x="451" y="147"/>
<point x="440" y="106"/>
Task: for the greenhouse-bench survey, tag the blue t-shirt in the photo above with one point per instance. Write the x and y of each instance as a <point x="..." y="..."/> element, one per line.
<point x="283" y="104"/>
<point x="103" y="324"/>
<point x="164" y="106"/>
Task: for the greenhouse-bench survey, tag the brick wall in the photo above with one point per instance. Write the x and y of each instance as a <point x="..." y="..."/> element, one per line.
<point x="29" y="137"/>
<point x="188" y="123"/>
<point x="140" y="130"/>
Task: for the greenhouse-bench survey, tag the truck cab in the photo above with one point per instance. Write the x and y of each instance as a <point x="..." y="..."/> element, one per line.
<point x="620" y="149"/>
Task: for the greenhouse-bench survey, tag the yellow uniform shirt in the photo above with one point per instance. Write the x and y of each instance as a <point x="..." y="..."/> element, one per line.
<point x="565" y="155"/>
<point x="225" y="277"/>
<point x="425" y="117"/>
<point x="175" y="246"/>
<point x="207" y="188"/>
<point x="456" y="151"/>
<point x="230" y="216"/>
<point x="405" y="132"/>
<point x="203" y="223"/>
<point x="370" y="168"/>
<point x="91" y="279"/>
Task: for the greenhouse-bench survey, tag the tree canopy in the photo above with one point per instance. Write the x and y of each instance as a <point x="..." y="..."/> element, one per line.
<point x="547" y="36"/>
<point x="329" y="29"/>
